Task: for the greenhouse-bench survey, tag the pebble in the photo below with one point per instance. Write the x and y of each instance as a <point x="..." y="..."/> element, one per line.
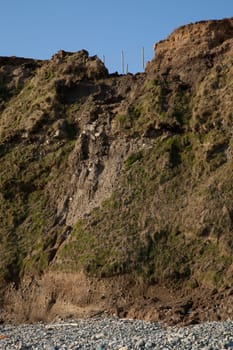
<point x="117" y="334"/>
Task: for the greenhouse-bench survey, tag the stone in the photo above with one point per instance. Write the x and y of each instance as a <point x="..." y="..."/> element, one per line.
<point x="140" y="344"/>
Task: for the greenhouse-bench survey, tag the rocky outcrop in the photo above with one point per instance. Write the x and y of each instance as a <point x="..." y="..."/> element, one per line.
<point x="116" y="190"/>
<point x="193" y="50"/>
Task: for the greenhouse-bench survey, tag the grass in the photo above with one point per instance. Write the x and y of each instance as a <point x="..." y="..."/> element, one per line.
<point x="134" y="157"/>
<point x="26" y="212"/>
<point x="126" y="236"/>
<point x="170" y="213"/>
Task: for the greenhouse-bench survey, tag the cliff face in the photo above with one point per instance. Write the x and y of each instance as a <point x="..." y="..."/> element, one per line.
<point x="190" y="51"/>
<point x="115" y="189"/>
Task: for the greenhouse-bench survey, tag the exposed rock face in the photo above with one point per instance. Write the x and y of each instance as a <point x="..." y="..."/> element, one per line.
<point x="116" y="191"/>
<point x="192" y="50"/>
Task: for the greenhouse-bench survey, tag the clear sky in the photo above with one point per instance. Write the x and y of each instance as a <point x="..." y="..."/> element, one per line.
<point x="39" y="28"/>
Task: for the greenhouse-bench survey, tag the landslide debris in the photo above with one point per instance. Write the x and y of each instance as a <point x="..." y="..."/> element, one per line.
<point x="116" y="190"/>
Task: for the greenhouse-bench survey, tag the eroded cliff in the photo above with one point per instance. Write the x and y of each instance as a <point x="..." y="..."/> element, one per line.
<point x="116" y="190"/>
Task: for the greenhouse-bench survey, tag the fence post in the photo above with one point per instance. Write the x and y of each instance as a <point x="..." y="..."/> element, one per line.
<point x="122" y="62"/>
<point x="143" y="59"/>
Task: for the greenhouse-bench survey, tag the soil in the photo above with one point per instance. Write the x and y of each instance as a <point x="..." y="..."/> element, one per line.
<point x="65" y="296"/>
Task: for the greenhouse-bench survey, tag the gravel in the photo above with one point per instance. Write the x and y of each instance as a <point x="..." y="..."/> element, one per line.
<point x="117" y="334"/>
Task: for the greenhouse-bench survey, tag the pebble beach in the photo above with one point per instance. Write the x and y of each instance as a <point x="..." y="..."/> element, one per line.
<point x="104" y="333"/>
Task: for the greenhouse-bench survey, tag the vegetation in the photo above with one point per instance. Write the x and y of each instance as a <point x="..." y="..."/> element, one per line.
<point x="166" y="216"/>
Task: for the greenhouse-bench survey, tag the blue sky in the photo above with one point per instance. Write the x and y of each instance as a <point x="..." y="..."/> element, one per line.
<point x="39" y="28"/>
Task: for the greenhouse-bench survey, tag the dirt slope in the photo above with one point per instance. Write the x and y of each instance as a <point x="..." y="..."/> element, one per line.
<point x="116" y="190"/>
